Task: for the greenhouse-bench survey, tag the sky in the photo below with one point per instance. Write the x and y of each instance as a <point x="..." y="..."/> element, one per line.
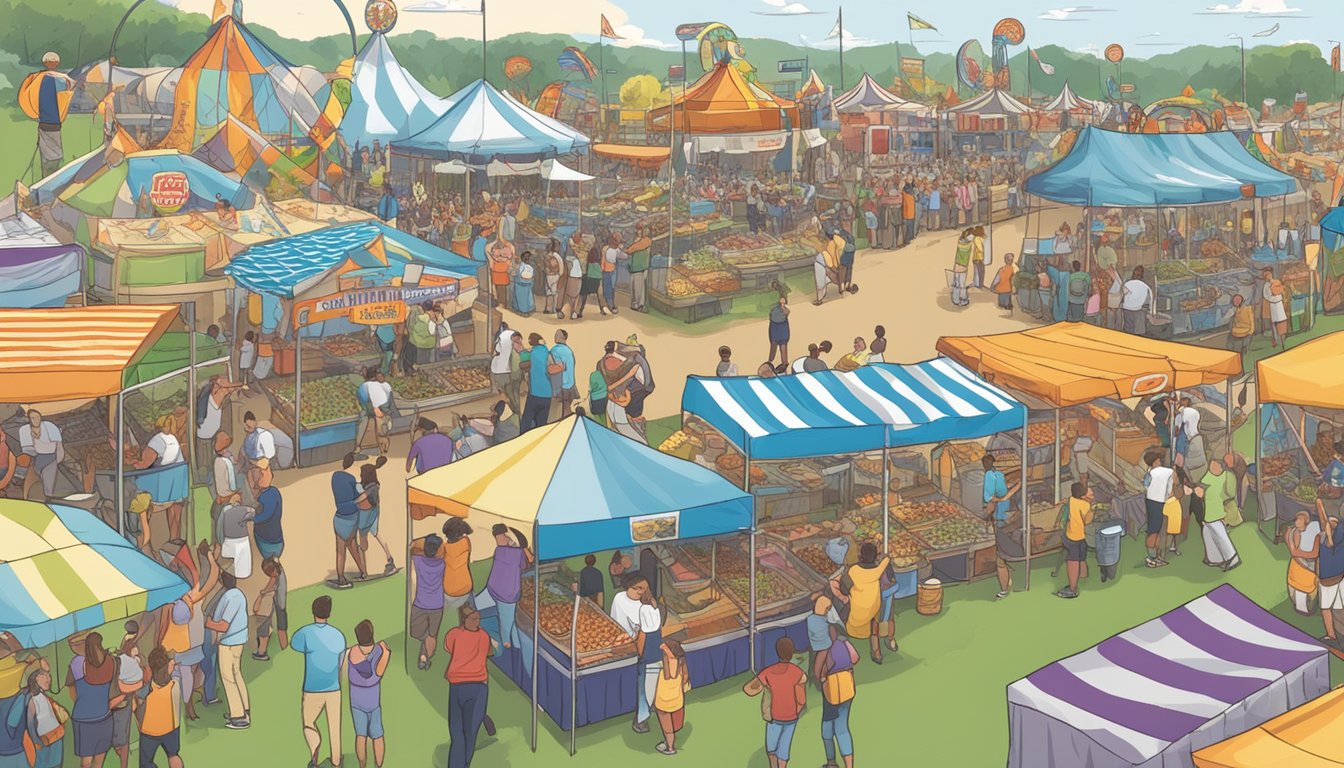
<point x="1144" y="27"/>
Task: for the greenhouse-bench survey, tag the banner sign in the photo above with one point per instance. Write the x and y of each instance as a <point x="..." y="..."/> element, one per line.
<point x="912" y="67"/>
<point x="651" y="528"/>
<point x="676" y="73"/>
<point x="1126" y="87"/>
<point x="370" y="306"/>
<point x="169" y="191"/>
<point x="792" y="65"/>
<point x="688" y="32"/>
<point x="742" y="143"/>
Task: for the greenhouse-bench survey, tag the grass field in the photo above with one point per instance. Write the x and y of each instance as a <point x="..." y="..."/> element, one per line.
<point x="18" y="135"/>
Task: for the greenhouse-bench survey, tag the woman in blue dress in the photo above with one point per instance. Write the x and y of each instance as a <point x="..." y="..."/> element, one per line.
<point x="524" y="303"/>
<point x="367" y="524"/>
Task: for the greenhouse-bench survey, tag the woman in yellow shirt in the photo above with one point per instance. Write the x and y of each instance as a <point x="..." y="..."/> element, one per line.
<point x="1076" y="520"/>
<point x="862" y="588"/>
<point x="669" y="695"/>
<point x="158" y="714"/>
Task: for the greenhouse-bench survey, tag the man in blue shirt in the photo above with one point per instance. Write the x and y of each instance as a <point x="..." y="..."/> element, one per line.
<point x="1332" y="475"/>
<point x="323" y="649"/>
<point x="1330" y="571"/>
<point x="345" y="493"/>
<point x="996" y="497"/>
<point x="539" y="390"/>
<point x="49" y="117"/>
<point x="230" y="621"/>
<point x="266" y="527"/>
<point x="388" y="208"/>
<point x="562" y="384"/>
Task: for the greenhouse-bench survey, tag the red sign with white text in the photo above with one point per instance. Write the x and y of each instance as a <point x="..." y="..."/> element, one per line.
<point x="169" y="191"/>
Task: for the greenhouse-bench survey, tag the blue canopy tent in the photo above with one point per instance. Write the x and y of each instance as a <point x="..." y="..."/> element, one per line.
<point x="581" y="488"/>
<point x="325" y="281"/>
<point x="876" y="407"/>
<point x="1331" y="260"/>
<point x="387" y="103"/>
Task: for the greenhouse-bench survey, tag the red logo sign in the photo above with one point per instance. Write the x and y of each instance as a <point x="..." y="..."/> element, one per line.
<point x="169" y="191"/>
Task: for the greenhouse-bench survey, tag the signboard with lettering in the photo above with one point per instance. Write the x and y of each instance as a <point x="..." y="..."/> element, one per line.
<point x="1126" y="87"/>
<point x="676" y="73"/>
<point x="792" y="65"/>
<point x="688" y="32"/>
<point x="912" y="67"/>
<point x="370" y="306"/>
<point x="169" y="191"/>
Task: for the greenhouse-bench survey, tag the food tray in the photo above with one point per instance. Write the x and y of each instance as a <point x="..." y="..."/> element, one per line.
<point x="595" y="626"/>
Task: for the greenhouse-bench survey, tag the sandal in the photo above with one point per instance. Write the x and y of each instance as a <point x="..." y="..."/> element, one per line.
<point x="892" y="645"/>
<point x="876" y="657"/>
<point x="663" y="749"/>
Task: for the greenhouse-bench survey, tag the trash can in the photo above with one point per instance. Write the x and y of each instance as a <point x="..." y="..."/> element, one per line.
<point x="1108" y="550"/>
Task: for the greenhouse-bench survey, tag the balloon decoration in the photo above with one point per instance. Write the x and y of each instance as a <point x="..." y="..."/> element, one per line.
<point x="573" y="60"/>
<point x="1007" y="32"/>
<point x="968" y="67"/>
<point x="380" y="16"/>
<point x="1115" y="53"/>
<point x="517" y="67"/>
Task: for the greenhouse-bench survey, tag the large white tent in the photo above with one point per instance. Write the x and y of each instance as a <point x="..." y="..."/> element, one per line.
<point x="387" y="103"/>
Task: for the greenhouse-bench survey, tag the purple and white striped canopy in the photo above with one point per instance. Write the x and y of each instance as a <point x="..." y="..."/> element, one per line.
<point x="1136" y="694"/>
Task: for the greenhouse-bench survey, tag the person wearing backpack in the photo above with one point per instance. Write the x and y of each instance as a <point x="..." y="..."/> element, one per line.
<point x="1079" y="287"/>
<point x="1077" y="515"/>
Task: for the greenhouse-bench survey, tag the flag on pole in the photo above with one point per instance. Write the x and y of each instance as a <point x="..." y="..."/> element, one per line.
<point x="1267" y="32"/>
<point x="1334" y="58"/>
<point x="918" y="23"/>
<point x="607" y="30"/>
<point x="835" y="31"/>
<point x="1046" y="68"/>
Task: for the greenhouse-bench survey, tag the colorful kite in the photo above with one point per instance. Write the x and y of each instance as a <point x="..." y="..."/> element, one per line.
<point x="517" y="67"/>
<point x="573" y="60"/>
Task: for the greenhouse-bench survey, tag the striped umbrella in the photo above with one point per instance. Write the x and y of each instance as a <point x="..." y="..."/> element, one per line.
<point x="63" y="571"/>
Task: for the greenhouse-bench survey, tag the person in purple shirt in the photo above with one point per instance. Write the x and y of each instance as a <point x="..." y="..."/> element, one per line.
<point x="345" y="493"/>
<point x="427" y="607"/>
<point x="431" y="448"/>
<point x="512" y="557"/>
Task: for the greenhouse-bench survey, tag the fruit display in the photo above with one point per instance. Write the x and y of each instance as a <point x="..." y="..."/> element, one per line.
<point x="869" y="466"/>
<point x="420" y="385"/>
<point x="775" y="254"/>
<point x="717" y="281"/>
<point x="324" y="400"/>
<point x="462" y="378"/>
<point x="914" y="514"/>
<point x="1171" y="271"/>
<point x="1207" y="297"/>
<point x="1305" y="492"/>
<point x="904" y="549"/>
<point x="1274" y="466"/>
<point x="1214" y="249"/>
<point x="1040" y="433"/>
<point x="680" y="288"/>
<point x="702" y="260"/>
<point x="1202" y="266"/>
<point x="770" y="588"/>
<point x="955" y="532"/>
<point x="349" y="345"/>
<point x="867" y="499"/>
<point x="816" y="557"/>
<point x="746" y="242"/>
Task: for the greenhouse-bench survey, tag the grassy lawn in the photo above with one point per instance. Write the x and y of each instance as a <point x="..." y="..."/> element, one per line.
<point x="751" y="306"/>
<point x="18" y="135"/>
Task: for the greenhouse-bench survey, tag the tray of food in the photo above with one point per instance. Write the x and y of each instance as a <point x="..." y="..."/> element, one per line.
<point x="914" y="514"/>
<point x="955" y="532"/>
<point x="326" y="400"/>
<point x="599" y="638"/>
<point x="905" y="549"/>
<point x="350" y="345"/>
<point x="729" y="465"/>
<point x="1276" y="465"/>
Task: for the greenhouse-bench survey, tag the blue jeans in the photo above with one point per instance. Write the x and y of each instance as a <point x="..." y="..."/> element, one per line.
<point x="210" y="667"/>
<point x="646" y="679"/>
<point x="609" y="288"/>
<point x="779" y="737"/>
<point x="466" y="712"/>
<point x="889" y="602"/>
<point x="836" y="731"/>
<point x="508" y="624"/>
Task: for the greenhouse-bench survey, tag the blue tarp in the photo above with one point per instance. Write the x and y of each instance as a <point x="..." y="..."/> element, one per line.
<point x="36" y="270"/>
<point x="1107" y="168"/>
<point x="829" y="412"/>
<point x="484" y="125"/>
<point x="285" y="267"/>
<point x="1332" y="229"/>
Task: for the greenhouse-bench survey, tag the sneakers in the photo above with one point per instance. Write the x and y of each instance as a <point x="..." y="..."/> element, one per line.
<point x="390" y="568"/>
<point x="1154" y="562"/>
<point x="1000" y="595"/>
<point x="639" y="727"/>
<point x="1233" y="565"/>
<point x="261" y="657"/>
<point x="344" y="584"/>
<point x="237" y="724"/>
<point x="663" y="749"/>
<point x="1067" y="594"/>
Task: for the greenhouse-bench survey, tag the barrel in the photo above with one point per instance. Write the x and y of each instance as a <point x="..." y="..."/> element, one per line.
<point x="930" y="599"/>
<point x="1108" y="544"/>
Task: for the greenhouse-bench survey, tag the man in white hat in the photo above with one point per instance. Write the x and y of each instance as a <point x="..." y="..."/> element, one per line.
<point x="49" y="115"/>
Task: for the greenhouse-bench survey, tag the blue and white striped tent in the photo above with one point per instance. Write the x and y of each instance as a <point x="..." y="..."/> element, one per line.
<point x="63" y="571"/>
<point x="485" y="124"/>
<point x="387" y="103"/>
<point x="291" y="265"/>
<point x="829" y="412"/>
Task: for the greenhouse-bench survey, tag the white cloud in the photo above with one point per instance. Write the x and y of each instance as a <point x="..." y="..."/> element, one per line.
<point x="1091" y="49"/>
<point x="832" y="43"/>
<point x="1150" y="34"/>
<point x="1073" y="13"/>
<point x="633" y="37"/>
<point x="785" y="8"/>
<point x="1253" y="6"/>
<point x="444" y="6"/>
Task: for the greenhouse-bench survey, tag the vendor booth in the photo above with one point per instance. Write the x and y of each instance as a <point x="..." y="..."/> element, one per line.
<point x="831" y="460"/>
<point x="325" y="305"/>
<point x="63" y="571"/>
<point x="1306" y="736"/>
<point x="127" y="378"/>
<point x="36" y="269"/>
<point x="605" y="492"/>
<point x="1152" y="695"/>
<point x="1090" y="391"/>
<point x="1300" y="393"/>
<point x="1190" y="208"/>
<point x="879" y="124"/>
<point x="992" y="122"/>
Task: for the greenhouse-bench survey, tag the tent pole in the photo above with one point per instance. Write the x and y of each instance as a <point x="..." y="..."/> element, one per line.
<point x="121" y="464"/>
<point x="886" y="493"/>
<point x="406" y="606"/>
<point x="298" y="394"/>
<point x="573" y="679"/>
<point x="751" y="557"/>
<point x="536" y="631"/>
<point x="191" y="423"/>
<point x="1227" y="423"/>
<point x="1259" y="482"/>
<point x="1057" y="457"/>
<point x="1022" y="499"/>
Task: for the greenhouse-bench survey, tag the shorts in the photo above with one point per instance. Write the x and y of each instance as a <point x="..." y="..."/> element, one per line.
<point x="270" y="550"/>
<point x="264" y="623"/>
<point x="93" y="738"/>
<point x="1332" y="596"/>
<point x="779" y="737"/>
<point x="452" y="603"/>
<point x="425" y="623"/>
<point x="1075" y="551"/>
<point x="121" y="726"/>
<point x="368" y="521"/>
<point x="1156" y="519"/>
<point x="171" y="743"/>
<point x="368" y="725"/>
<point x="345" y="526"/>
<point x="678" y="718"/>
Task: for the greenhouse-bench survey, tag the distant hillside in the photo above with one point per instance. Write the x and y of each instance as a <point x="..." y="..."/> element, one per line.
<point x="81" y="30"/>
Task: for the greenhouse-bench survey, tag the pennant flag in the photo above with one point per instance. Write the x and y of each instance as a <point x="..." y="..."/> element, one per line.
<point x="835" y="31"/>
<point x="1334" y="58"/>
<point x="607" y="31"/>
<point x="222" y="8"/>
<point x="1046" y="68"/>
<point x="918" y="23"/>
<point x="1267" y="32"/>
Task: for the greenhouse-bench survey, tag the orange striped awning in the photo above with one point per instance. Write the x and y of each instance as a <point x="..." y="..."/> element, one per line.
<point x="69" y="354"/>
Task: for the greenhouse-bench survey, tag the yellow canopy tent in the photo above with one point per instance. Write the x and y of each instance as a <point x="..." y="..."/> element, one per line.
<point x="48" y="355"/>
<point x="1311" y="374"/>
<point x="1068" y="364"/>
<point x="1306" y="737"/>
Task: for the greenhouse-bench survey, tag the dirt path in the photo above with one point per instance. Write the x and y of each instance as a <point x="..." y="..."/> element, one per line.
<point x="904" y="290"/>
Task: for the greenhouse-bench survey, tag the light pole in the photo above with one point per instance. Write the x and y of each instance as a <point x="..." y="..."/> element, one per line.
<point x="1334" y="72"/>
<point x="1242" y="41"/>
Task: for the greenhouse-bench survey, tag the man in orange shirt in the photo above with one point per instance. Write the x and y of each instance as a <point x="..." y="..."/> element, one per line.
<point x="501" y="261"/>
<point x="908" y="209"/>
<point x="1003" y="283"/>
<point x="468" y="648"/>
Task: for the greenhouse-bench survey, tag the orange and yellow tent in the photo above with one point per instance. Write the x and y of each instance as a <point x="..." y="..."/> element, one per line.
<point x="48" y="355"/>
<point x="1311" y="374"/>
<point x="1305" y="737"/>
<point x="1068" y="364"/>
<point x="723" y="102"/>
